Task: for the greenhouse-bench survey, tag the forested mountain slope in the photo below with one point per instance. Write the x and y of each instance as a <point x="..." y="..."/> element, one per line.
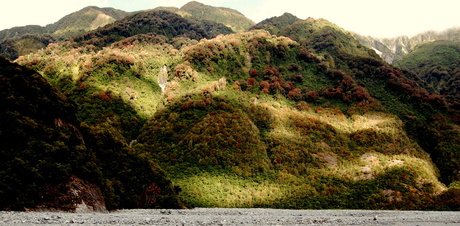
<point x="301" y="117"/>
<point x="438" y="64"/>
<point x="51" y="161"/>
<point x="152" y="22"/>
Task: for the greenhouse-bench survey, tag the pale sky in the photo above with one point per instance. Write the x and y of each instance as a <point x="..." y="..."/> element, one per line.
<point x="379" y="18"/>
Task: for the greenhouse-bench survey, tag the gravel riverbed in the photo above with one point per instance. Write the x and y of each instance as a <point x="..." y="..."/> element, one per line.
<point x="223" y="216"/>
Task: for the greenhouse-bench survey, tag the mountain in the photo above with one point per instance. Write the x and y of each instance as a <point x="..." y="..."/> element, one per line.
<point x="277" y="116"/>
<point x="303" y="120"/>
<point x="20" y="41"/>
<point x="52" y="161"/>
<point x="86" y="19"/>
<point x="325" y="37"/>
<point x="307" y="118"/>
<point x="155" y="22"/>
<point x="211" y="27"/>
<point x="229" y="17"/>
<point x="437" y="63"/>
<point x="394" y="49"/>
<point x="275" y="24"/>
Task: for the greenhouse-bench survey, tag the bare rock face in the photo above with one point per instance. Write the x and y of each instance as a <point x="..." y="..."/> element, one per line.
<point x="87" y="196"/>
<point x="76" y="195"/>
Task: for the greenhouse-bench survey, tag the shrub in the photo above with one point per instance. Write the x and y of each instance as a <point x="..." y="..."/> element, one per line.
<point x="254" y="73"/>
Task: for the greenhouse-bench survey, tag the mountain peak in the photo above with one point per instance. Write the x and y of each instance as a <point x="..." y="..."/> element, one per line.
<point x="277" y="23"/>
<point x="86" y="19"/>
<point x="229" y="17"/>
<point x="195" y="4"/>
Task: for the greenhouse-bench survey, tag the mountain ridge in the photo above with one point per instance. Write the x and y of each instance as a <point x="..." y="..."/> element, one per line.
<point x="19" y="41"/>
<point x="394" y="49"/>
<point x="88" y="18"/>
<point x="62" y="28"/>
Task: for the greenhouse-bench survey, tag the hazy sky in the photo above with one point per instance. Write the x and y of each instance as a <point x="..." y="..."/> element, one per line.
<point x="380" y="18"/>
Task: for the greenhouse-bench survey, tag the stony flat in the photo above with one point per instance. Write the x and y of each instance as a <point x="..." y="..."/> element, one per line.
<point x="223" y="216"/>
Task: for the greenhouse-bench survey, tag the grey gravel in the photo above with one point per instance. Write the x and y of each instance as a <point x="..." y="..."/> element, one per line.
<point x="222" y="216"/>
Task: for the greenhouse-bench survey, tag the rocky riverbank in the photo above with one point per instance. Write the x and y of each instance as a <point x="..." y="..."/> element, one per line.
<point x="219" y="216"/>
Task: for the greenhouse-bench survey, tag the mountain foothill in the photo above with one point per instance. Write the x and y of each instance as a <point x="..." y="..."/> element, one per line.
<point x="199" y="106"/>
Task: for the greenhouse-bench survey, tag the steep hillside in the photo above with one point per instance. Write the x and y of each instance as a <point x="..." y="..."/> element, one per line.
<point x="277" y="23"/>
<point x="438" y="64"/>
<point x="260" y="122"/>
<point x="394" y="49"/>
<point x="229" y="17"/>
<point x="49" y="161"/>
<point x="309" y="119"/>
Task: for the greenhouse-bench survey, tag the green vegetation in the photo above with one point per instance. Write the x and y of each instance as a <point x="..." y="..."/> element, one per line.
<point x="13" y="48"/>
<point x="304" y="119"/>
<point x="155" y="22"/>
<point x="44" y="145"/>
<point x="297" y="137"/>
<point x="212" y="27"/>
<point x="17" y="32"/>
<point x="437" y="64"/>
<point x="326" y="38"/>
